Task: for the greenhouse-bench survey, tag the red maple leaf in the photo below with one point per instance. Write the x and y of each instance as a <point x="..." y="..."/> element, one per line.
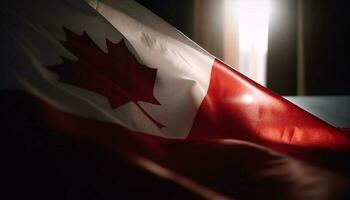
<point x="116" y="75"/>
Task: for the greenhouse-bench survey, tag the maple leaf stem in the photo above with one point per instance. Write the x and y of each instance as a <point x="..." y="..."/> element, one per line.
<point x="159" y="125"/>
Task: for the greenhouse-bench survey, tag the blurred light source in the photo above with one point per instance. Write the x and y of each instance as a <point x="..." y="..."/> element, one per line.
<point x="253" y="22"/>
<point x="247" y="98"/>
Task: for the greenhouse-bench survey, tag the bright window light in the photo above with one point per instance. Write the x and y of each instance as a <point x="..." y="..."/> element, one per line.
<point x="253" y="22"/>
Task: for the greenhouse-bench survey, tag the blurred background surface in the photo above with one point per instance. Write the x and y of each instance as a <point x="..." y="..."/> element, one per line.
<point x="293" y="47"/>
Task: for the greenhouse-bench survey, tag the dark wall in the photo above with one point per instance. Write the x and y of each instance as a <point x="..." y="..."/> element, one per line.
<point x="178" y="13"/>
<point x="327" y="40"/>
<point x="282" y="48"/>
<point x="326" y="47"/>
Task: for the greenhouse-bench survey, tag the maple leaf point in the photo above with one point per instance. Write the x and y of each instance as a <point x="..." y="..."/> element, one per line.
<point x="117" y="75"/>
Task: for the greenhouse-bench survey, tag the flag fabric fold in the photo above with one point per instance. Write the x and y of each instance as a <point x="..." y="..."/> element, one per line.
<point x="171" y="119"/>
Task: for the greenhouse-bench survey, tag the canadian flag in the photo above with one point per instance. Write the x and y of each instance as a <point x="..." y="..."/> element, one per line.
<point x="112" y="73"/>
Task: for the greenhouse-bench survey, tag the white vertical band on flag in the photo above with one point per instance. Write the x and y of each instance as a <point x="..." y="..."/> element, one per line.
<point x="35" y="32"/>
<point x="184" y="68"/>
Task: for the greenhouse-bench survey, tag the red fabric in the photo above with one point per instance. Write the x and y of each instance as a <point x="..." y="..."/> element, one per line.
<point x="214" y="161"/>
<point x="210" y="168"/>
<point x="238" y="108"/>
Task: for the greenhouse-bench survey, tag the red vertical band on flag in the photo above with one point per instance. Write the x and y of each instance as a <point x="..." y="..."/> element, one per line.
<point x="238" y="108"/>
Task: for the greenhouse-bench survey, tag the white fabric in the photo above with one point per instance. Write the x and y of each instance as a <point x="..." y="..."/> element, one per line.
<point x="183" y="68"/>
